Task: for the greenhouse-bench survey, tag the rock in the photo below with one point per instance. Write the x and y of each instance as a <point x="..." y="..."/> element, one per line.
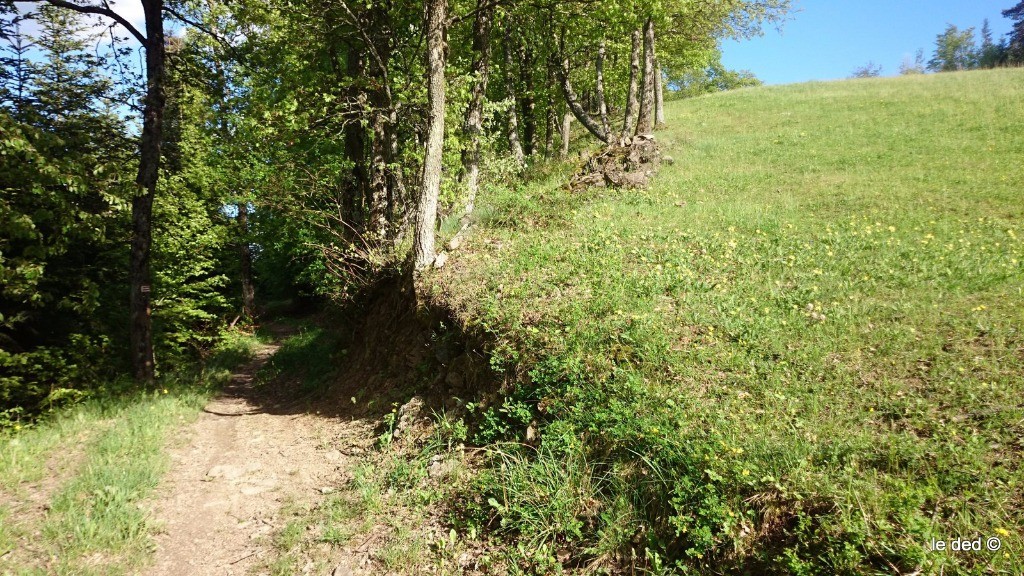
<point x="461" y="374"/>
<point x="435" y="470"/>
<point x="454" y="243"/>
<point x="408" y="414"/>
<point x="668" y="159"/>
<point x="440" y="260"/>
<point x="628" y="165"/>
<point x="326" y="490"/>
<point x="531" y="432"/>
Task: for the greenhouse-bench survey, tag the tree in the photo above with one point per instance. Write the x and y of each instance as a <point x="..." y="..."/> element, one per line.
<point x="915" y="66"/>
<point x="62" y="206"/>
<point x="645" y="120"/>
<point x="140" y="323"/>
<point x="435" y="20"/>
<point x="990" y="54"/>
<point x="954" y="50"/>
<point x="708" y="78"/>
<point x="473" y="125"/>
<point x="1015" y="41"/>
<point x="869" y="70"/>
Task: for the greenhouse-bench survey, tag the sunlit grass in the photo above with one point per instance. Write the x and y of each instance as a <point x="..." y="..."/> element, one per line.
<point x="74" y="484"/>
<point x="821" y="299"/>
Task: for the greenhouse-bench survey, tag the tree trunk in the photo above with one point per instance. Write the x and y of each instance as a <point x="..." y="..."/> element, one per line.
<point x="377" y="226"/>
<point x="514" y="144"/>
<point x="550" y="121"/>
<point x="528" y="101"/>
<point x="353" y="200"/>
<point x="143" y="362"/>
<point x="426" y="212"/>
<point x="602" y="105"/>
<point x="645" y="121"/>
<point x="480" y="68"/>
<point x="245" y="261"/>
<point x="659" y="89"/>
<point x="566" y="128"/>
<point x="573" y="101"/>
<point x="396" y="195"/>
<point x="382" y="183"/>
<point x="628" y="123"/>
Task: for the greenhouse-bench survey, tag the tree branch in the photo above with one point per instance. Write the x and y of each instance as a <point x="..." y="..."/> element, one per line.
<point x="204" y="29"/>
<point x="98" y="10"/>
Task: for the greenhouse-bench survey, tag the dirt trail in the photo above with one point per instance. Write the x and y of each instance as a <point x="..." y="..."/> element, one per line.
<point x="238" y="464"/>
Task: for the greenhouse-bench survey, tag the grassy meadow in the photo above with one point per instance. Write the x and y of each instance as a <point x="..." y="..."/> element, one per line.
<point x="798" y="352"/>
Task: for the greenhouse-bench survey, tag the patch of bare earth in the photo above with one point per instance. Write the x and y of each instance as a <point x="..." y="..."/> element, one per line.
<point x="235" y="468"/>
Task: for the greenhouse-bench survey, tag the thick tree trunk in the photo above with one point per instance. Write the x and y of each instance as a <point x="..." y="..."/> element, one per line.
<point x="474" y="124"/>
<point x="528" y="101"/>
<point x="573" y="101"/>
<point x="645" y="120"/>
<point x="602" y="105"/>
<point x="245" y="261"/>
<point x="514" y="144"/>
<point x="426" y="212"/>
<point x="140" y="275"/>
<point x="629" y="122"/>
<point x="659" y="89"/>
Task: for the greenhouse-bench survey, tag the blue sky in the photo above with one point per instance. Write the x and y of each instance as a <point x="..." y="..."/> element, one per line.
<point x="827" y="39"/>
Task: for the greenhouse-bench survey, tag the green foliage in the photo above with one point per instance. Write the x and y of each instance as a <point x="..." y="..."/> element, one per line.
<point x="954" y="50"/>
<point x="1015" y="42"/>
<point x="712" y="78"/>
<point x="307" y="356"/>
<point x="61" y="218"/>
<point x="776" y="359"/>
<point x="67" y="165"/>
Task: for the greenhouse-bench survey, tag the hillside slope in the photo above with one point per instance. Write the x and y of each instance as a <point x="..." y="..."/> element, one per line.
<point x="799" y="352"/>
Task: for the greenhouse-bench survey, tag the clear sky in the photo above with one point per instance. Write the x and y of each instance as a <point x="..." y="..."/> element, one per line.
<point x="828" y="39"/>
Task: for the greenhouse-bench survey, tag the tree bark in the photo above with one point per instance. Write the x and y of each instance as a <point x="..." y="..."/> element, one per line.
<point x="141" y="328"/>
<point x="426" y="212"/>
<point x="573" y="101"/>
<point x="645" y="120"/>
<point x="602" y="105"/>
<point x="355" y="149"/>
<point x="382" y="184"/>
<point x="566" y="128"/>
<point x="245" y="261"/>
<point x="629" y="122"/>
<point x="514" y="144"/>
<point x="659" y="88"/>
<point x="528" y="102"/>
<point x="473" y="127"/>
<point x="550" y="121"/>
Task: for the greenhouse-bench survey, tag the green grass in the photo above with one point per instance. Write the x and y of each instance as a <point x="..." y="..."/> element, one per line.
<point x="307" y="357"/>
<point x="799" y="352"/>
<point x="73" y="486"/>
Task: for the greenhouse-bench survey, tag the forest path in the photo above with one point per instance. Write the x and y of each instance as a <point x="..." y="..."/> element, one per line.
<point x="236" y="472"/>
